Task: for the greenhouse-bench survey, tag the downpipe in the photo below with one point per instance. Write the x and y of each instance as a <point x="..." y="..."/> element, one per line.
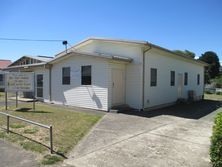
<point x="143" y="77"/>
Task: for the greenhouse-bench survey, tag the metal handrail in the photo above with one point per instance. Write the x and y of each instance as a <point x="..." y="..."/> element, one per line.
<point x="31" y="122"/>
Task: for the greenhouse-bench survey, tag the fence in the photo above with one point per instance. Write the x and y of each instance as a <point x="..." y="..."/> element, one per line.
<point x="8" y="116"/>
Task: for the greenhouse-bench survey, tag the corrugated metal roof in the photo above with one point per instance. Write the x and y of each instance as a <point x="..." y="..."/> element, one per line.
<point x="99" y="55"/>
<point x="41" y="58"/>
<point x="135" y="42"/>
<point x="26" y="65"/>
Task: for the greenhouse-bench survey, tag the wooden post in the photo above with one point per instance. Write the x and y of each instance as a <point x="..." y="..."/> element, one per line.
<point x="7" y="123"/>
<point x="16" y="102"/>
<point x="51" y="139"/>
<point x="34" y="92"/>
<point x="6" y="100"/>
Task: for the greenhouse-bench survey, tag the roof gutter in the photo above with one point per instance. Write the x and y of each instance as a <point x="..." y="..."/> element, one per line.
<point x="143" y="82"/>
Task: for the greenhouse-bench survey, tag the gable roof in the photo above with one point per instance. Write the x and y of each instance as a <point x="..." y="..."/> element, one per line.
<point x="4" y="63"/>
<point x="72" y="51"/>
<point x="144" y="44"/>
<point x="26" y="65"/>
<point x="85" y="41"/>
<point x="42" y="59"/>
<point x="98" y="55"/>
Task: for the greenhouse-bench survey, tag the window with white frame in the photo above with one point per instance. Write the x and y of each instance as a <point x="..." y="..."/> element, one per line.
<point x="172" y="78"/>
<point x="198" y="79"/>
<point x="86" y="75"/>
<point x="66" y="75"/>
<point x="185" y="78"/>
<point x="153" y="77"/>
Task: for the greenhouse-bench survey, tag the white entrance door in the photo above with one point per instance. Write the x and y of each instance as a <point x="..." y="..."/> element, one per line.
<point x="180" y="85"/>
<point x="118" y="90"/>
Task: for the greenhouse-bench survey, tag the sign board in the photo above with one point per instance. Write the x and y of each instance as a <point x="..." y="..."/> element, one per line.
<point x="20" y="82"/>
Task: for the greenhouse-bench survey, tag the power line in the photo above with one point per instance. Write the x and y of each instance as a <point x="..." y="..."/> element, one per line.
<point x="64" y="42"/>
<point x="33" y="40"/>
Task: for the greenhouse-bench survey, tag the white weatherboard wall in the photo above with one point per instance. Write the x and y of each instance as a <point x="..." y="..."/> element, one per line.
<point x="163" y="93"/>
<point x="133" y="70"/>
<point x="93" y="96"/>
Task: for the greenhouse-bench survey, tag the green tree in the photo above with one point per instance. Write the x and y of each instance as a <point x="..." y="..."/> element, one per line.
<point x="185" y="52"/>
<point x="213" y="69"/>
<point x="217" y="82"/>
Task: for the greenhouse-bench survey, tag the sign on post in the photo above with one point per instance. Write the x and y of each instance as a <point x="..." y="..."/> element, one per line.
<point x="20" y="82"/>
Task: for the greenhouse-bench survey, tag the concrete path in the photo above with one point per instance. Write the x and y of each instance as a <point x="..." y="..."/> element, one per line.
<point x="11" y="156"/>
<point x="134" y="141"/>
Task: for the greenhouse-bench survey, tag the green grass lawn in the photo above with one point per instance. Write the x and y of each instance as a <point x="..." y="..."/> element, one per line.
<point x="68" y="128"/>
<point x="213" y="97"/>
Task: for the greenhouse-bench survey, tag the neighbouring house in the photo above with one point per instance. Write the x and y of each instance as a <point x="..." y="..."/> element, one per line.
<point x="3" y="64"/>
<point x="100" y="73"/>
<point x="37" y="64"/>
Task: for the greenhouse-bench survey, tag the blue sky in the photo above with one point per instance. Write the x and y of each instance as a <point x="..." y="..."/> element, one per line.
<point x="195" y="25"/>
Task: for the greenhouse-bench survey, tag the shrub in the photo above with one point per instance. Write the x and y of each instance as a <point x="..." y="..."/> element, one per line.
<point x="216" y="142"/>
<point x="208" y="92"/>
<point x="217" y="81"/>
<point x="51" y="159"/>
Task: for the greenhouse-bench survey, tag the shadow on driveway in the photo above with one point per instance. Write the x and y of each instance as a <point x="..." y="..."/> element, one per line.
<point x="194" y="110"/>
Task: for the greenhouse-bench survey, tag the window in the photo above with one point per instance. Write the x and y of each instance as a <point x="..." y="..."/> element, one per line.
<point x="185" y="78"/>
<point x="172" y="78"/>
<point x="198" y="79"/>
<point x="153" y="77"/>
<point x="27" y="61"/>
<point x="66" y="75"/>
<point x="1" y="78"/>
<point x="39" y="85"/>
<point x="86" y="75"/>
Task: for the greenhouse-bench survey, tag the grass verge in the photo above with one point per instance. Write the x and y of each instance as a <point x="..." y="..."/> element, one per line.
<point x="213" y="97"/>
<point x="68" y="129"/>
<point x="51" y="159"/>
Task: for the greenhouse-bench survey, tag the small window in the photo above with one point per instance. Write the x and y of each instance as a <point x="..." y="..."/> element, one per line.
<point x="27" y="61"/>
<point x="198" y="79"/>
<point x="39" y="85"/>
<point x="1" y="78"/>
<point x="172" y="78"/>
<point x="66" y="75"/>
<point x="185" y="78"/>
<point x="153" y="77"/>
<point x="86" y="75"/>
<point x="39" y="80"/>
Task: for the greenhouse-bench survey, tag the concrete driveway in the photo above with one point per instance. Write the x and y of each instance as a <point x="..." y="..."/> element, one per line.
<point x="12" y="156"/>
<point x="156" y="139"/>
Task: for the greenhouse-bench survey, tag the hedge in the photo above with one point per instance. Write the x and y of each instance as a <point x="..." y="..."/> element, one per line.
<point x="216" y="142"/>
